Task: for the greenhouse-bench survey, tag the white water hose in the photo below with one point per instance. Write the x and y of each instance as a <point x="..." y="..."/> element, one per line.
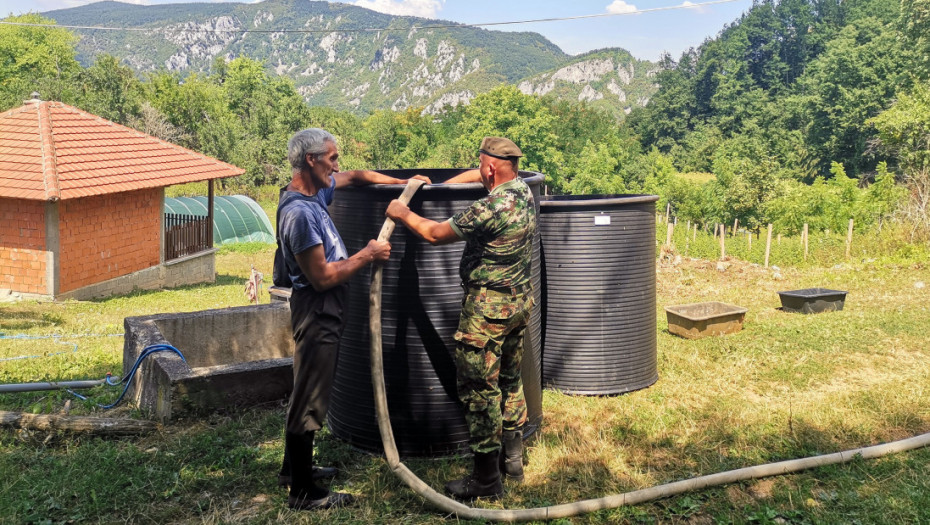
<point x="590" y="505"/>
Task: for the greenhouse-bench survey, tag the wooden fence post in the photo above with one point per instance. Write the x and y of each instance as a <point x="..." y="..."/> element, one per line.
<point x="804" y="240"/>
<point x="849" y="238"/>
<point x="735" y="225"/>
<point x="768" y="245"/>
<point x="668" y="210"/>
<point x="723" y="251"/>
<point x="668" y="234"/>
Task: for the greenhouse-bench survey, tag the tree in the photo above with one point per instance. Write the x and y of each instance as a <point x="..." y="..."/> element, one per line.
<point x="850" y="83"/>
<point x="505" y="111"/>
<point x="110" y="90"/>
<point x="598" y="169"/>
<point x="399" y="139"/>
<point x="668" y="117"/>
<point x="904" y="129"/>
<point x="914" y="22"/>
<point x="35" y="59"/>
<point x="746" y="179"/>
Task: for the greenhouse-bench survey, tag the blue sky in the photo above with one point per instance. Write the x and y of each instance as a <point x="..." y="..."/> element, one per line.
<point x="646" y="35"/>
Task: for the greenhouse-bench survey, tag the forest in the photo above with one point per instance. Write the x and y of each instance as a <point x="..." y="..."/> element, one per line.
<point x="799" y="112"/>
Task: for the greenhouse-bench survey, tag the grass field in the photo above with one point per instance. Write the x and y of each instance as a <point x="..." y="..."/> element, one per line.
<point x="787" y="386"/>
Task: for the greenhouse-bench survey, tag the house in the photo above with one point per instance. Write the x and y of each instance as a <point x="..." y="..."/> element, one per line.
<point x="81" y="202"/>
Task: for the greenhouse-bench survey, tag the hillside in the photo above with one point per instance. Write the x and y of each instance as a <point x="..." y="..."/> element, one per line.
<point x="609" y="79"/>
<point x="335" y="59"/>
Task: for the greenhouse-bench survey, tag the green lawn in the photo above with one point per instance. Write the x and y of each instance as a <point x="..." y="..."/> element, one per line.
<point x="787" y="386"/>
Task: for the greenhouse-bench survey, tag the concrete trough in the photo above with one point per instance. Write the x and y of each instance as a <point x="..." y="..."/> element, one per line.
<point x="234" y="357"/>
<point x="694" y="321"/>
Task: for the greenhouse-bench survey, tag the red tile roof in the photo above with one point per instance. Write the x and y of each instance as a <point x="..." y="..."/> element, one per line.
<point x="51" y="151"/>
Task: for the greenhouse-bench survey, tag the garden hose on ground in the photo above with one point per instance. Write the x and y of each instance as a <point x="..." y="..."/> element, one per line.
<point x="108" y="380"/>
<point x="571" y="509"/>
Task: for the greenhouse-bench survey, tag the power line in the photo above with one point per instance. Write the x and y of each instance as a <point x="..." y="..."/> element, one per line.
<point x="685" y="5"/>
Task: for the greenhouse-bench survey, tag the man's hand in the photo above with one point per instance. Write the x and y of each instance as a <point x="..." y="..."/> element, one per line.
<point x="396" y="210"/>
<point x="424" y="178"/>
<point x="379" y="250"/>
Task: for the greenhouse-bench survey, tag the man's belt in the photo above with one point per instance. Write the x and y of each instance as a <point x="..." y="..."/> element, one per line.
<point x="508" y="291"/>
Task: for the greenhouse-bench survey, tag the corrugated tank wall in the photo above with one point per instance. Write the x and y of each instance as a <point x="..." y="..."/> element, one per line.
<point x="421" y="302"/>
<point x="599" y="293"/>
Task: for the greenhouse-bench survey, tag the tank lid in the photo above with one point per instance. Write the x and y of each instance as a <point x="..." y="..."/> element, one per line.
<point x="594" y="200"/>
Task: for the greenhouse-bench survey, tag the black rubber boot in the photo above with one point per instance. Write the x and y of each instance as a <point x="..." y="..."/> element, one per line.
<point x="305" y="493"/>
<point x="318" y="473"/>
<point x="511" y="462"/>
<point x="483" y="482"/>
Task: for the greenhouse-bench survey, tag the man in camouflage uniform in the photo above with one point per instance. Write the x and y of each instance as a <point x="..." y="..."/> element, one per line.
<point x="498" y="231"/>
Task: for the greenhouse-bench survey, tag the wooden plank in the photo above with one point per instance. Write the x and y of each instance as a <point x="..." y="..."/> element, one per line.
<point x="88" y="424"/>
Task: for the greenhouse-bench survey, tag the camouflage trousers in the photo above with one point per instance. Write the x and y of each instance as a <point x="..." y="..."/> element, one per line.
<point x="488" y="355"/>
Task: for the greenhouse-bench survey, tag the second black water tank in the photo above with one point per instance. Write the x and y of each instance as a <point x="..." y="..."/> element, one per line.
<point x="599" y="293"/>
<point x="421" y="302"/>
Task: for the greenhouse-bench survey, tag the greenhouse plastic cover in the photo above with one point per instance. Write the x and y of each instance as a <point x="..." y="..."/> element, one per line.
<point x="236" y="218"/>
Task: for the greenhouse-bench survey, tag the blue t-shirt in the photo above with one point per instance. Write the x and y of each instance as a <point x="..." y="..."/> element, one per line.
<point x="305" y="223"/>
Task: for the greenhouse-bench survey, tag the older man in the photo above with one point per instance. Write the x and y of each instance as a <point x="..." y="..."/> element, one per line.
<point x="498" y="231"/>
<point x="319" y="268"/>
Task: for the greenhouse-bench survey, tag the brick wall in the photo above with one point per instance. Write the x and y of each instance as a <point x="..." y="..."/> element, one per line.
<point x="22" y="246"/>
<point x="108" y="236"/>
<point x="193" y="269"/>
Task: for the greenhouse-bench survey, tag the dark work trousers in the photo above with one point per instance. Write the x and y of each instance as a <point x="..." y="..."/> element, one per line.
<point x="317" y="321"/>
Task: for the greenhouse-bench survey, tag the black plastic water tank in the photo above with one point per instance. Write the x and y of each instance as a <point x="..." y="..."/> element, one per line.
<point x="599" y="293"/>
<point x="421" y="302"/>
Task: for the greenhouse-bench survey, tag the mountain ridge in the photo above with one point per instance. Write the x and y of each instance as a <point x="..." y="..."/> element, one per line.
<point x="345" y="56"/>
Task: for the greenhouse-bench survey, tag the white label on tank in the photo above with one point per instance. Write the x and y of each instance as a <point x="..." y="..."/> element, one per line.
<point x="601" y="220"/>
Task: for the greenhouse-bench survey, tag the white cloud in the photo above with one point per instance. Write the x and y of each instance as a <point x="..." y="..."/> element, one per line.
<point x="421" y="8"/>
<point x="692" y="5"/>
<point x="619" y="7"/>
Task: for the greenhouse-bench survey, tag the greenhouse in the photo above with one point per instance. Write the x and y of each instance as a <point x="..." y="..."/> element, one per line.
<point x="236" y="218"/>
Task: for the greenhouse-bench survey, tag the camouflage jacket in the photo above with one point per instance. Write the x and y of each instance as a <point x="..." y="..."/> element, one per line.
<point x="498" y="230"/>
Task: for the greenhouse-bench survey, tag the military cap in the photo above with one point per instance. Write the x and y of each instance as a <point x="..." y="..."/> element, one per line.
<point x="500" y="147"/>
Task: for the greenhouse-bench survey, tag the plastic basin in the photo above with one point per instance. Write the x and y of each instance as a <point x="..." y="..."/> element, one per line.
<point x="697" y="320"/>
<point x="812" y="300"/>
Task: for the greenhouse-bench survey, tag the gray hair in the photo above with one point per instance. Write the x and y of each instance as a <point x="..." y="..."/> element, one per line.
<point x="308" y="141"/>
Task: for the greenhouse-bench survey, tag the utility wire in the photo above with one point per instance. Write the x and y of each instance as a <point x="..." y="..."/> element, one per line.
<point x="686" y="5"/>
<point x="57" y="338"/>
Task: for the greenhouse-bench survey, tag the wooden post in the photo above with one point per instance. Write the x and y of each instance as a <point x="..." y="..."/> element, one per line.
<point x="735" y="225"/>
<point x="88" y="424"/>
<point x="210" y="213"/>
<point x="668" y="210"/>
<point x="768" y="245"/>
<point x="668" y="234"/>
<point x="804" y="240"/>
<point x="723" y="251"/>
<point x="694" y="237"/>
<point x="849" y="237"/>
<point x="749" y="242"/>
